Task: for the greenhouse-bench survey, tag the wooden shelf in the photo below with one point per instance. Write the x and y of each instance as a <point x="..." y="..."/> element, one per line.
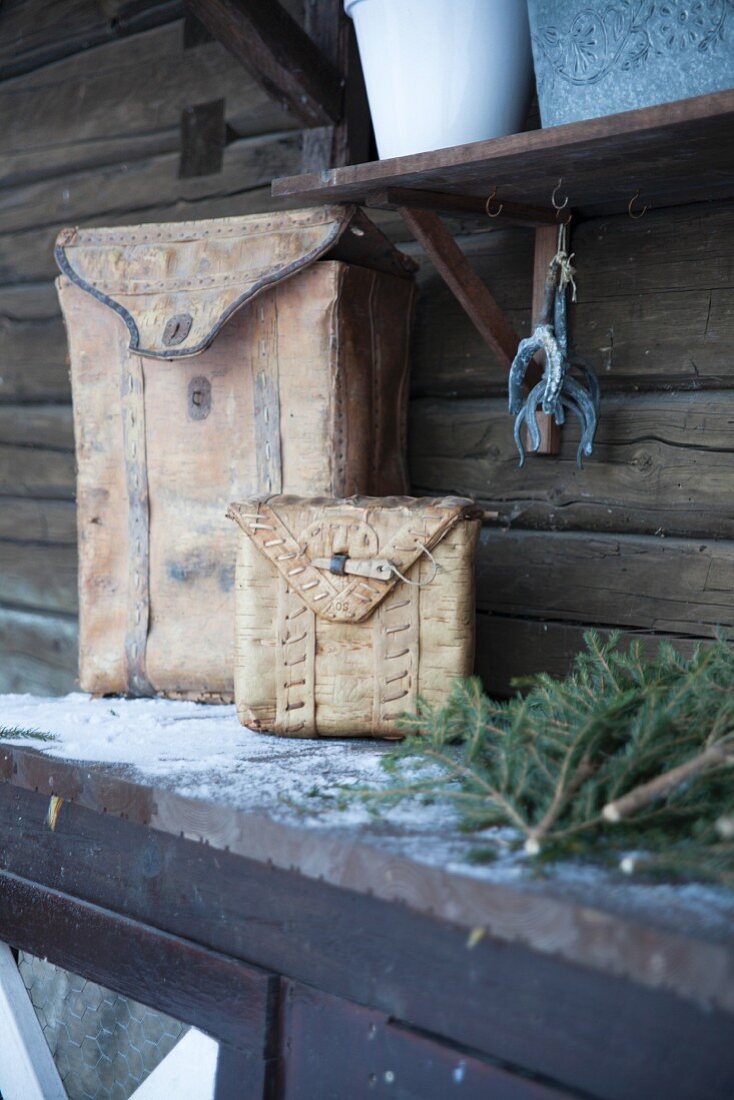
<point x="674" y="153"/>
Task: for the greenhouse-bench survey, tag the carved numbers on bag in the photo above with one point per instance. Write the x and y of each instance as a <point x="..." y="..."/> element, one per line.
<point x="199" y="401"/>
<point x="177" y="329"/>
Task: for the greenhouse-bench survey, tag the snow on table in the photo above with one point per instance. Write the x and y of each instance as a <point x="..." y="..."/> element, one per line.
<point x="200" y="751"/>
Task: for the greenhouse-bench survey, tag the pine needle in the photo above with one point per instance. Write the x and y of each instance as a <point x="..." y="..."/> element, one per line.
<point x="15" y="734"/>
<point x="627" y="754"/>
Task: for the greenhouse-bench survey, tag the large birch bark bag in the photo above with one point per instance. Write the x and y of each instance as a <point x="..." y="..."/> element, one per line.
<point x="348" y="610"/>
<point x="211" y="361"/>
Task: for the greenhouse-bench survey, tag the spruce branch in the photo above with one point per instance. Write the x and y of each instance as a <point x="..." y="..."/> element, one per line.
<point x="639" y="797"/>
<point x="627" y="753"/>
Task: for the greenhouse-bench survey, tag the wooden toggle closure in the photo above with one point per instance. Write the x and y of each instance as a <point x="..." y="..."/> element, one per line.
<point x="378" y="569"/>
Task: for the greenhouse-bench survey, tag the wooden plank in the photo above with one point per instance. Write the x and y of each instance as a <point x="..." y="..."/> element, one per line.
<point x="148" y="183"/>
<point x="596" y="924"/>
<point x="237" y="1079"/>
<point x="662" y="464"/>
<point x="673" y="586"/>
<point x="655" y="304"/>
<point x="47" y="427"/>
<point x="366" y="1052"/>
<point x="29" y="255"/>
<point x="37" y="471"/>
<point x="37" y="32"/>
<point x="672" y="153"/>
<point x="148" y="190"/>
<point x="32" y="345"/>
<point x="519" y="1006"/>
<point x="278" y="53"/>
<point x="32" y="520"/>
<point x="220" y="996"/>
<point x="38" y="577"/>
<point x="38" y="653"/>
<point x="460" y="276"/>
<point x="45" y="124"/>
<point x="26" y="1068"/>
<point x="508" y="648"/>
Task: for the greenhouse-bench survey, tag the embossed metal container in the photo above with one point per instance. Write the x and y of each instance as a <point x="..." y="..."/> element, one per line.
<point x="598" y="57"/>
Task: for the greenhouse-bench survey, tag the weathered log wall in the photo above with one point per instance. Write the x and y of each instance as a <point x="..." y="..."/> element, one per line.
<point x="91" y="99"/>
<point x="641" y="538"/>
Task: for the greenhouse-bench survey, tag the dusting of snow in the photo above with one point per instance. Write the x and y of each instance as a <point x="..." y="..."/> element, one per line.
<point x="201" y="751"/>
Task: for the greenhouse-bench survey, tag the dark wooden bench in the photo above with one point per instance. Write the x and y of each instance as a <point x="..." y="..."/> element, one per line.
<point x="361" y="959"/>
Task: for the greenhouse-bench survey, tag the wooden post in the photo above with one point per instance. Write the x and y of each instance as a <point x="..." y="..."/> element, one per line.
<point x="347" y="142"/>
<point x="546" y="245"/>
<point x="279" y="54"/>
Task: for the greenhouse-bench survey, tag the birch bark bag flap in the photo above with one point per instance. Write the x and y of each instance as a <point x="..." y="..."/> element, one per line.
<point x="211" y="361"/>
<point x="348" y="610"/>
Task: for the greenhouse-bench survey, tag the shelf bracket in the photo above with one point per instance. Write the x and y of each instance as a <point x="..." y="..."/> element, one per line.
<point x="461" y="278"/>
<point x="481" y="306"/>
<point x="281" y="56"/>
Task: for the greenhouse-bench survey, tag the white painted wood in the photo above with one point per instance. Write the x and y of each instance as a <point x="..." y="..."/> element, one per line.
<point x="188" y="1072"/>
<point x="27" y="1070"/>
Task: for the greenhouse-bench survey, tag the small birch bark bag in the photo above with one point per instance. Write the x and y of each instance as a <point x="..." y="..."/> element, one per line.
<point x="348" y="610"/>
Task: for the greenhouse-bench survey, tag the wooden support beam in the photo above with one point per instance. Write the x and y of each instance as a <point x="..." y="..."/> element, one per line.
<point x="546" y="245"/>
<point x="279" y="54"/>
<point x="463" y="281"/>
<point x="348" y="142"/>
<point x="223" y="997"/>
<point x="445" y="202"/>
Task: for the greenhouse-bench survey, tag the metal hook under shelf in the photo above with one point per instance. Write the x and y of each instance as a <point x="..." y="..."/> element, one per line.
<point x="556" y="206"/>
<point x="632" y="201"/>
<point x="491" y="198"/>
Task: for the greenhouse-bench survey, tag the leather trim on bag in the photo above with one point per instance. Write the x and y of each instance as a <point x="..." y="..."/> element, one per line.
<point x="342" y="217"/>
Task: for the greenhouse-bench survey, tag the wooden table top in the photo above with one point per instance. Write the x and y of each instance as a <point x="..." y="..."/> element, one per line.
<point x="192" y="771"/>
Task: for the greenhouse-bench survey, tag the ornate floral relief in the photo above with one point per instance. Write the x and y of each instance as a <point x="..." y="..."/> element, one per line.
<point x="626" y="33"/>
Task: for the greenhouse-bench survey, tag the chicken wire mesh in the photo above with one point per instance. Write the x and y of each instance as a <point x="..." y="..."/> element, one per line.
<point x="104" y="1045"/>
